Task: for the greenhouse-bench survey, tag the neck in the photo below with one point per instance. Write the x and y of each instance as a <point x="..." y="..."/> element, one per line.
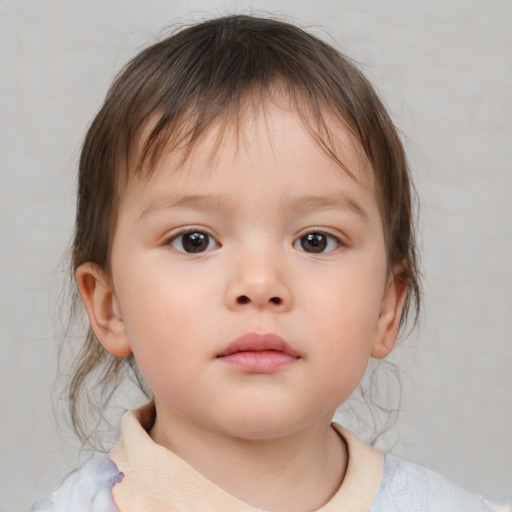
<point x="300" y="471"/>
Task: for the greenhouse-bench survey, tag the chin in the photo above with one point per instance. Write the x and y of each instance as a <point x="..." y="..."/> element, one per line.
<point x="265" y="427"/>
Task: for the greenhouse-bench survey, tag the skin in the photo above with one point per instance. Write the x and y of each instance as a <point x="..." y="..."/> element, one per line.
<point x="256" y="196"/>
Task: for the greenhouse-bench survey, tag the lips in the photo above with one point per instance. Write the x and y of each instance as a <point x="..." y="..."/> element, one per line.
<point x="258" y="353"/>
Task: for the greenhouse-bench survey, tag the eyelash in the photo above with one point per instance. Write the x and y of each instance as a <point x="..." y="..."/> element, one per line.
<point x="321" y="242"/>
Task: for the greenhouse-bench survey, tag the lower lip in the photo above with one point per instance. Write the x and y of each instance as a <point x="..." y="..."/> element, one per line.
<point x="262" y="361"/>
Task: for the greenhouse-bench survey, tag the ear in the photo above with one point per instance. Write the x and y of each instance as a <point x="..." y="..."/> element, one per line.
<point x="102" y="308"/>
<point x="390" y="315"/>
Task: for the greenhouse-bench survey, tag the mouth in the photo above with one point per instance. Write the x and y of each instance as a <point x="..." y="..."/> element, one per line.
<point x="258" y="353"/>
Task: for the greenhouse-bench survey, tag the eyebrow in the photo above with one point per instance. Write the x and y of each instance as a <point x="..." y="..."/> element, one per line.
<point x="313" y="203"/>
<point x="304" y="204"/>
<point x="192" y="202"/>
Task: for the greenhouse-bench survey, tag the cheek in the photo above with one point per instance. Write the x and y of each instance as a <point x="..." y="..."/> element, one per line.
<point x="344" y="321"/>
<point x="349" y="302"/>
<point x="160" y="314"/>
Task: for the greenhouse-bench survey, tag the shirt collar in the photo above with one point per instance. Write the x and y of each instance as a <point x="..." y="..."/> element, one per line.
<point x="157" y="480"/>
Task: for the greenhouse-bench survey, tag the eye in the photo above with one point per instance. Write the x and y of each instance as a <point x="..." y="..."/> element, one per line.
<point x="317" y="242"/>
<point x="193" y="242"/>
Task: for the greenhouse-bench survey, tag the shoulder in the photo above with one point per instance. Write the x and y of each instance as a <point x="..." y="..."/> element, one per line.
<point x="87" y="489"/>
<point x="407" y="487"/>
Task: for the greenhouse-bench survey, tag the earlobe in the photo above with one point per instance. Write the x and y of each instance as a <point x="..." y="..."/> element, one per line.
<point x="389" y="317"/>
<point x="102" y="308"/>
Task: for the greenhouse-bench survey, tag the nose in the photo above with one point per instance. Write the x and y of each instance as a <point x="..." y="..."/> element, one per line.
<point x="259" y="282"/>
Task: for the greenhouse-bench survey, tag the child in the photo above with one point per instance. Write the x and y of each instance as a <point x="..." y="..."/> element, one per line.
<point x="244" y="239"/>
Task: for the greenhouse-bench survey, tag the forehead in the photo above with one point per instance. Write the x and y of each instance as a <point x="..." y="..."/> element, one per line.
<point x="268" y="119"/>
<point x="270" y="152"/>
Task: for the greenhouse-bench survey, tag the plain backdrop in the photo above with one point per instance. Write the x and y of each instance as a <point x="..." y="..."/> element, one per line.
<point x="444" y="69"/>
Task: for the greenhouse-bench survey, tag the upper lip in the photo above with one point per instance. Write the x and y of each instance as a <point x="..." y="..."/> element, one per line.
<point x="256" y="342"/>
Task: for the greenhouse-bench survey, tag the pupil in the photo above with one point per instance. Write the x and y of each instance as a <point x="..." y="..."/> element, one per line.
<point x="314" y="242"/>
<point x="195" y="242"/>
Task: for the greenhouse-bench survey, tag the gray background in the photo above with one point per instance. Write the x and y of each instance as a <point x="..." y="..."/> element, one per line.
<point x="444" y="68"/>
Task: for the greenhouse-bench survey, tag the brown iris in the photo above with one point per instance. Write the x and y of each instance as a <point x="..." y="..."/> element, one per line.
<point x="195" y="241"/>
<point x="314" y="242"/>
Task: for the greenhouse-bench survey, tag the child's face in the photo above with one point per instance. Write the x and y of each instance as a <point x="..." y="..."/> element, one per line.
<point x="270" y="240"/>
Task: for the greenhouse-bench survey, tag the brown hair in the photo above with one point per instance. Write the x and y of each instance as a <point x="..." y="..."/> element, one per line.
<point x="202" y="74"/>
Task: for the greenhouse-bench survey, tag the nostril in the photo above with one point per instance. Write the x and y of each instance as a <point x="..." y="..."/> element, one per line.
<point x="243" y="299"/>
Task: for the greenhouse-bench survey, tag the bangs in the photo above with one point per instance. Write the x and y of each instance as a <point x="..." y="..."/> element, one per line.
<point x="211" y="72"/>
<point x="180" y="136"/>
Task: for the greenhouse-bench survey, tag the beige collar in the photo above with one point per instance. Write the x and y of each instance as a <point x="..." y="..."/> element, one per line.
<point x="157" y="480"/>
